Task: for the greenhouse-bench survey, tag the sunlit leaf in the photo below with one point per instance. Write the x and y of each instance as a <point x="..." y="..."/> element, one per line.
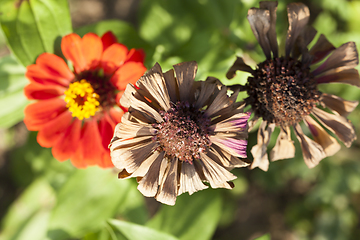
<point x="192" y="217"/>
<point x="11" y="91"/>
<point x="125" y="32"/>
<point x="137" y="232"/>
<point x="27" y="218"/>
<point x="33" y="27"/>
<point x="87" y="199"/>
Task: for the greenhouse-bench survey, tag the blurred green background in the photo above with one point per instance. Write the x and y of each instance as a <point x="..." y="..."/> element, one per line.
<point x="42" y="198"/>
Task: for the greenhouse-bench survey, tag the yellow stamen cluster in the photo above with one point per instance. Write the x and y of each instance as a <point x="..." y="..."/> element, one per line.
<point x="81" y="99"/>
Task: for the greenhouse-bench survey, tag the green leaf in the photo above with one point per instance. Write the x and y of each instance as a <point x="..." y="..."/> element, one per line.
<point x="264" y="237"/>
<point x="28" y="216"/>
<point x="13" y="80"/>
<point x="33" y="27"/>
<point x="137" y="232"/>
<point x="125" y="32"/>
<point x="88" y="198"/>
<point x="192" y="217"/>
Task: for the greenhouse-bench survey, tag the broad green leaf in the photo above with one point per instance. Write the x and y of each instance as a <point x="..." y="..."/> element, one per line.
<point x="13" y="80"/>
<point x="34" y="26"/>
<point x="192" y="217"/>
<point x="125" y="32"/>
<point x="28" y="216"/>
<point x="264" y="237"/>
<point x="137" y="232"/>
<point x="88" y="198"/>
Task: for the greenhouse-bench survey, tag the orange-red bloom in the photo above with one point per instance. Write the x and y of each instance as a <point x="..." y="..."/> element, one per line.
<point x="76" y="111"/>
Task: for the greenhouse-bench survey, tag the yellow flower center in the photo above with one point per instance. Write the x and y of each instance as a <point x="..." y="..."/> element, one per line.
<point x="81" y="99"/>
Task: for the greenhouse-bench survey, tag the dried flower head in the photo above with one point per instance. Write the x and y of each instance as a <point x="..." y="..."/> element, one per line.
<point x="283" y="90"/>
<point x="75" y="110"/>
<point x="178" y="133"/>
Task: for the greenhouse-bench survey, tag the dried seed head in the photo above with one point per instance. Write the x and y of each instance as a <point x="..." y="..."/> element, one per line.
<point x="282" y="91"/>
<point x="183" y="133"/>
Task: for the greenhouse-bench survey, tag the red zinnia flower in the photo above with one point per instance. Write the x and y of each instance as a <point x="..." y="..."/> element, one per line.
<point x="76" y="111"/>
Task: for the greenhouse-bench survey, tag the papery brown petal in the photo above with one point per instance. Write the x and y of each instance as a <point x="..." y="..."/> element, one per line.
<point x="171" y="85"/>
<point x="239" y="64"/>
<point x="348" y="76"/>
<point x="224" y="158"/>
<point x="339" y="125"/>
<point x="327" y="142"/>
<point x="185" y="75"/>
<point x="189" y="179"/>
<point x="344" y="57"/>
<point x="168" y="189"/>
<point x="148" y="185"/>
<point x="145" y="165"/>
<point x="125" y="99"/>
<point x="215" y="174"/>
<point x="154" y="84"/>
<point x="321" y="49"/>
<point x="130" y="157"/>
<point x="129" y="129"/>
<point x="312" y="151"/>
<point x="206" y="90"/>
<point x="259" y="150"/>
<point x="123" y="174"/>
<point x="338" y="105"/>
<point x="284" y="147"/>
<point x="221" y="101"/>
<point x="259" y="20"/>
<point x="145" y="109"/>
<point x="237" y="122"/>
<point x="271" y="34"/>
<point x="298" y="16"/>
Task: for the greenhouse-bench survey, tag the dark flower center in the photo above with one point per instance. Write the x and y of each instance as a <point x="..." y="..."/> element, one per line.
<point x="282" y="91"/>
<point x="102" y="87"/>
<point x="183" y="133"/>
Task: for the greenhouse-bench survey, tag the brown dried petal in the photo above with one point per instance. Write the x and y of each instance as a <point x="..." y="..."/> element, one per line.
<point x="348" y="76"/>
<point x="189" y="179"/>
<point x="321" y="49"/>
<point x="185" y="75"/>
<point x="313" y="153"/>
<point x="239" y="64"/>
<point x="344" y="57"/>
<point x="259" y="20"/>
<point x="284" y="147"/>
<point x="168" y="189"/>
<point x="338" y="105"/>
<point x="271" y="34"/>
<point x="259" y="151"/>
<point x="339" y="125"/>
<point x="327" y="142"/>
<point x="298" y="15"/>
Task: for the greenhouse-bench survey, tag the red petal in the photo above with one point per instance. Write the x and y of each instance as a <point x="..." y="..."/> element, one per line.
<point x="106" y="128"/>
<point x="106" y="160"/>
<point x="116" y="115"/>
<point x="67" y="146"/>
<point x="108" y="39"/>
<point x="113" y="57"/>
<point x="92" y="49"/>
<point x="39" y="113"/>
<point x="40" y="91"/>
<point x="136" y="55"/>
<point x="71" y="47"/>
<point x="130" y="72"/>
<point x="54" y="130"/>
<point x="49" y="70"/>
<point x="90" y="145"/>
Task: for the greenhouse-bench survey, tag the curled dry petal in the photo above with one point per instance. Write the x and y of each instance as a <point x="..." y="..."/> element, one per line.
<point x="259" y="20"/>
<point x="339" y="125"/>
<point x="284" y="147"/>
<point x="338" y="105"/>
<point x="298" y="15"/>
<point x="344" y="57"/>
<point x="259" y="150"/>
<point x="348" y="76"/>
<point x="327" y="142"/>
<point x="239" y="64"/>
<point x="271" y="34"/>
<point x="313" y="153"/>
<point x="321" y="49"/>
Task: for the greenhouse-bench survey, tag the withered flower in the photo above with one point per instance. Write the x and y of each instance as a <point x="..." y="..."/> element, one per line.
<point x="179" y="133"/>
<point x="283" y="90"/>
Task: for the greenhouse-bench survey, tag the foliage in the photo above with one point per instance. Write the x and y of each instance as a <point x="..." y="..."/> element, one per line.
<point x="56" y="201"/>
